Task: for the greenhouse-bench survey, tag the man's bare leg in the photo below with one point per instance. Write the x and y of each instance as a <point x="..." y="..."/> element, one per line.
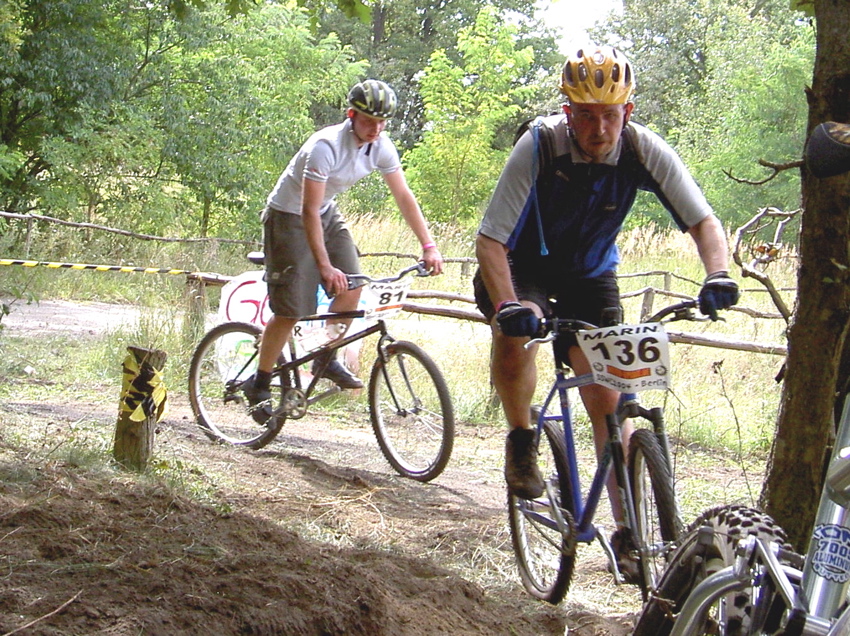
<point x="514" y="375"/>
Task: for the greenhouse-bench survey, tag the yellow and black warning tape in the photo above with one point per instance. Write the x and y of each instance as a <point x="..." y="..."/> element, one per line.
<point x="98" y="268"/>
<point x="143" y="392"/>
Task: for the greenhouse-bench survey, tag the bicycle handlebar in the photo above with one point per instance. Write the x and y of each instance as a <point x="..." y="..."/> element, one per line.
<point x="551" y="328"/>
<point x="419" y="268"/>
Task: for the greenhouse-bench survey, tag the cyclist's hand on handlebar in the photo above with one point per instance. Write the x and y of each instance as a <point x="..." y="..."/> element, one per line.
<point x="334" y="281"/>
<point x="433" y="260"/>
<point x="718" y="292"/>
<point x="516" y="320"/>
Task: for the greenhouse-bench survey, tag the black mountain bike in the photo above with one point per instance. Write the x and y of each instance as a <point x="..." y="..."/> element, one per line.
<point x="409" y="401"/>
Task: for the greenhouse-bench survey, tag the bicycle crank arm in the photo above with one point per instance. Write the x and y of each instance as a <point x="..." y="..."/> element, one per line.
<point x="564" y="527"/>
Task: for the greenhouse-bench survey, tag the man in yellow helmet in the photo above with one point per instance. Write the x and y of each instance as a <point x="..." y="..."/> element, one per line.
<point x="546" y="244"/>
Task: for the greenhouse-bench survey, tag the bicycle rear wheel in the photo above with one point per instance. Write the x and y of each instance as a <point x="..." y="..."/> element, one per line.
<point x="411" y="411"/>
<point x="656" y="512"/>
<point x="222" y="361"/>
<point x="545" y="558"/>
<point x="693" y="561"/>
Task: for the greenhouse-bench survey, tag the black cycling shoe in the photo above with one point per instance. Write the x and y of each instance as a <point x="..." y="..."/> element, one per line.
<point x="259" y="400"/>
<point x="627" y="563"/>
<point x="337" y="373"/>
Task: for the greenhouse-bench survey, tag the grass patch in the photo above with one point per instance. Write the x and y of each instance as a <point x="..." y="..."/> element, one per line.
<point x="720" y="398"/>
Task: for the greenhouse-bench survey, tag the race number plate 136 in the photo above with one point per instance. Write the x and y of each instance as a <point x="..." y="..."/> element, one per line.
<point x="628" y="358"/>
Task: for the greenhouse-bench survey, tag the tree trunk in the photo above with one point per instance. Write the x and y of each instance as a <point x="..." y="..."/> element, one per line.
<point x="818" y="332"/>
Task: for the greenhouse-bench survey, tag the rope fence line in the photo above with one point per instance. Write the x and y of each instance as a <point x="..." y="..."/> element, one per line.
<point x="197" y="282"/>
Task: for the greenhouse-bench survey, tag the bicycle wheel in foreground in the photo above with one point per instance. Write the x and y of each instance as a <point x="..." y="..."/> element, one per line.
<point x="411" y="411"/>
<point x="736" y="613"/>
<point x="226" y="357"/>
<point x="544" y="558"/>
<point x="657" y="515"/>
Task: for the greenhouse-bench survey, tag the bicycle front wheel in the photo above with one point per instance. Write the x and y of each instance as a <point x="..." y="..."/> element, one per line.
<point x="732" y="615"/>
<point x="545" y="557"/>
<point x="656" y="512"/>
<point x="222" y="361"/>
<point x="411" y="411"/>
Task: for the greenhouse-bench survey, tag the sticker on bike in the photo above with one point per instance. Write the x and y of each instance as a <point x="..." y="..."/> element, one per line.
<point x="628" y="358"/>
<point x="831" y="558"/>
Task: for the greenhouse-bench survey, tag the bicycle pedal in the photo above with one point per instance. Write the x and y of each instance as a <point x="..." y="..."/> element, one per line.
<point x="235" y="398"/>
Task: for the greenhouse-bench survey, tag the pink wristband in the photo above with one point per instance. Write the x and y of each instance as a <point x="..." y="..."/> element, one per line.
<point x="503" y="303"/>
<point x="428" y="246"/>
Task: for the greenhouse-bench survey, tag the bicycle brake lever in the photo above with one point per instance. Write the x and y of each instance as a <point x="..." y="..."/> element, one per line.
<point x="353" y="279"/>
<point x="547" y="338"/>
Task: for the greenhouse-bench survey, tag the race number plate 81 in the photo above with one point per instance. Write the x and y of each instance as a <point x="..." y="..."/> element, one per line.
<point x="628" y="358"/>
<point x="385" y="299"/>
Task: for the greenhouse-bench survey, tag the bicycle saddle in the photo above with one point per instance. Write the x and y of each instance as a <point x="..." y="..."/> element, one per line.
<point x="827" y="151"/>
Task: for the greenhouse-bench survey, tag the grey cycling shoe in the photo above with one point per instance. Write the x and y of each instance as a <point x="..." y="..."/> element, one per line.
<point x="336" y="372"/>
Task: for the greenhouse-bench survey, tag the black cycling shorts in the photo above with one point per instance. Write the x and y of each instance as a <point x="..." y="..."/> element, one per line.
<point x="587" y="299"/>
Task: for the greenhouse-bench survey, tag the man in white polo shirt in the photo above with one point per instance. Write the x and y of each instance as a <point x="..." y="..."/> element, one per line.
<point x="306" y="240"/>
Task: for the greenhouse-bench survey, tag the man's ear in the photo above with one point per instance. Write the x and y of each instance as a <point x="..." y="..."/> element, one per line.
<point x="567" y="112"/>
<point x="629" y="108"/>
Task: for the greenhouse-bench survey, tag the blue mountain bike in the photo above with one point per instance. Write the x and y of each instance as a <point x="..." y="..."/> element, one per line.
<point x="546" y="531"/>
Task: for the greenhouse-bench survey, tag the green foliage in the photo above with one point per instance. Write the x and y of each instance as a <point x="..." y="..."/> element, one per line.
<point x="766" y="121"/>
<point x="455" y="167"/>
<point x="724" y="83"/>
<point x="119" y="114"/>
<point x="402" y="35"/>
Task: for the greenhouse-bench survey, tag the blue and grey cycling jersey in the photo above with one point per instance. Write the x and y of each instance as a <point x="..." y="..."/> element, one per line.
<point x="582" y="205"/>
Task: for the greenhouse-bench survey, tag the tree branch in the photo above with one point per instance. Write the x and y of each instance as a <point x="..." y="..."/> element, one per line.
<point x="776" y="167"/>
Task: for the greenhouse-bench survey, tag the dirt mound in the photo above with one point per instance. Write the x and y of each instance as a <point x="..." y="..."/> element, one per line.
<point x="122" y="554"/>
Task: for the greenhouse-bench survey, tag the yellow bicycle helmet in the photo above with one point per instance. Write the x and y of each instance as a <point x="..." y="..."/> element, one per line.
<point x="598" y="75"/>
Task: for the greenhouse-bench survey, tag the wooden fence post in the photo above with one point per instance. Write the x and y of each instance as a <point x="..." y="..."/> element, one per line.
<point x="143" y="404"/>
<point x="197" y="306"/>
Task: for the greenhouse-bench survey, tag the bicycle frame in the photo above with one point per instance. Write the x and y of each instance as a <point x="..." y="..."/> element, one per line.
<point x="288" y="372"/>
<point x="813" y="595"/>
<point x="613" y="456"/>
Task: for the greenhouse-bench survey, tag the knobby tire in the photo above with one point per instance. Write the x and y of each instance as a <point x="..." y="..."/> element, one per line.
<point x="218" y="365"/>
<point x="692" y="562"/>
<point x="656" y="511"/>
<point x="544" y="558"/>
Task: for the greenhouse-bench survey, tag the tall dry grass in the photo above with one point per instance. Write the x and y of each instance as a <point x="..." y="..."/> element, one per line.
<point x="721" y="399"/>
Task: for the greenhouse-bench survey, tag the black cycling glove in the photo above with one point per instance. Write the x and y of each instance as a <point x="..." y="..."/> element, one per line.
<point x="718" y="292"/>
<point x="515" y="320"/>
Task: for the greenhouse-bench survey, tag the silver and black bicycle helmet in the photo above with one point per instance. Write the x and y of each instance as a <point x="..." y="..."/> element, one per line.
<point x="828" y="150"/>
<point x="373" y="98"/>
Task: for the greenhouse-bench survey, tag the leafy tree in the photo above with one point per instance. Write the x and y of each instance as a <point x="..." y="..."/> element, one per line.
<point x="58" y="56"/>
<point x="722" y="81"/>
<point x="238" y="108"/>
<point x="402" y="35"/>
<point x="758" y="111"/>
<point x="155" y="123"/>
<point x="818" y="342"/>
<point x="455" y="167"/>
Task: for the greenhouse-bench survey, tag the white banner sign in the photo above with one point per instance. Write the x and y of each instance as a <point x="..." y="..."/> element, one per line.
<point x="628" y="358"/>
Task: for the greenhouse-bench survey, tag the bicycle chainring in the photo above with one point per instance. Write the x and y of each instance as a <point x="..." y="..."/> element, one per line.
<point x="294" y="403"/>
